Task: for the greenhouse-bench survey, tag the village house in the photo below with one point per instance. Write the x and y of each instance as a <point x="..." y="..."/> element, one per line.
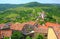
<point x="5" y="31"/>
<point x="28" y="28"/>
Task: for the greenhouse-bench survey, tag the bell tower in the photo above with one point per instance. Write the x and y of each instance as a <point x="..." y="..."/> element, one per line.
<point x="43" y="15"/>
<point x="40" y="17"/>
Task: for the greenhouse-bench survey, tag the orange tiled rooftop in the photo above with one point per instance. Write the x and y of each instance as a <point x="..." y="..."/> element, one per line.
<point x="40" y="28"/>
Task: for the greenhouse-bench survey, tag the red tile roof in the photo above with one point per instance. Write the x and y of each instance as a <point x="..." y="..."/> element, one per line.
<point x="52" y="24"/>
<point x="44" y="29"/>
<point x="17" y="26"/>
<point x="57" y="31"/>
<point x="6" y="33"/>
<point x="30" y="22"/>
<point x="2" y="25"/>
<point x="40" y="28"/>
<point x="56" y="28"/>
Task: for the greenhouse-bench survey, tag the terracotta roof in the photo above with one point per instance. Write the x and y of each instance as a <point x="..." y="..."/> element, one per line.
<point x="6" y="33"/>
<point x="17" y="26"/>
<point x="2" y="25"/>
<point x="52" y="24"/>
<point x="40" y="28"/>
<point x="31" y="22"/>
<point x="56" y="28"/>
<point x="57" y="31"/>
<point x="43" y="29"/>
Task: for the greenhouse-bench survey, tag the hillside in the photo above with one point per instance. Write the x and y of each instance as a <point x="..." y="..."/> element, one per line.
<point x="7" y="6"/>
<point x="36" y="4"/>
<point x="31" y="4"/>
<point x="27" y="12"/>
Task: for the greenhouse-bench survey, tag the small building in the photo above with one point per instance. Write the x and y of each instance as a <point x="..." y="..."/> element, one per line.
<point x="5" y="31"/>
<point x="29" y="28"/>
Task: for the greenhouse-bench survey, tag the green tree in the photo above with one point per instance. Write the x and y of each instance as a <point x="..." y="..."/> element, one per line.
<point x="6" y="37"/>
<point x="39" y="37"/>
<point x="17" y="35"/>
<point x="28" y="37"/>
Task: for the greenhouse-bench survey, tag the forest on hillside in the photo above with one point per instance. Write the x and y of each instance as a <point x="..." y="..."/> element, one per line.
<point x="29" y="12"/>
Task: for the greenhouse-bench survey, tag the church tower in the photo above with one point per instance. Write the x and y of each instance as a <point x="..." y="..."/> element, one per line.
<point x="40" y="17"/>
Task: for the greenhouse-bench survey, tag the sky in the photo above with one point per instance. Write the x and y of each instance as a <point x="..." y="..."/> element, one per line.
<point x="27" y="1"/>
